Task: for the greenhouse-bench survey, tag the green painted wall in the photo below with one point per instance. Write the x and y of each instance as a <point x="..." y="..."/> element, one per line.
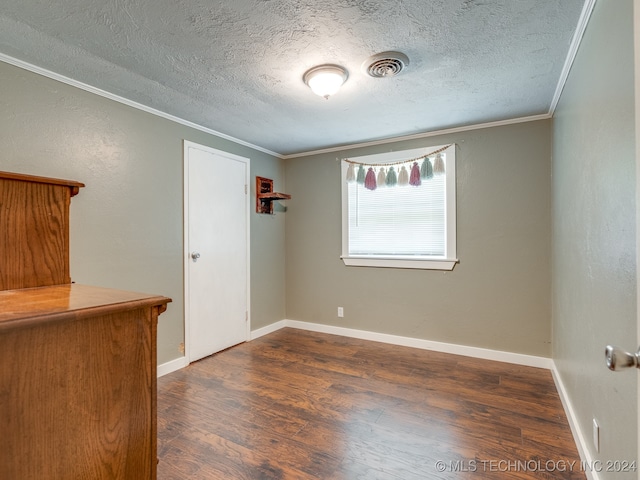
<point x="498" y="297"/>
<point x="594" y="232"/>
<point x="126" y="225"/>
<point x="527" y="271"/>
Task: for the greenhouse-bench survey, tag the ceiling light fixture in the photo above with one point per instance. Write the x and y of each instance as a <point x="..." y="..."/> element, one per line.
<point x="325" y="80"/>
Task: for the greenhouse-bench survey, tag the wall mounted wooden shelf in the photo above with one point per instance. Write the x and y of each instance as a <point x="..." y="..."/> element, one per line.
<point x="265" y="195"/>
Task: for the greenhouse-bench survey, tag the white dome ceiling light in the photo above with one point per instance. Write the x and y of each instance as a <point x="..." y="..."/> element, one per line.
<point x="385" y="64"/>
<point x="325" y="80"/>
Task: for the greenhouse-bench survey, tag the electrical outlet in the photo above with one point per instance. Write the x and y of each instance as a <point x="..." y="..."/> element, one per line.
<point x="340" y="312"/>
<point x="596" y="435"/>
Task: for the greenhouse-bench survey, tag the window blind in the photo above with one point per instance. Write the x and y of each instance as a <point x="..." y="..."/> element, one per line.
<point x="407" y="221"/>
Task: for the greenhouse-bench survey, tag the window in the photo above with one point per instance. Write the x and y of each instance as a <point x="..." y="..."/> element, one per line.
<point x="398" y="211"/>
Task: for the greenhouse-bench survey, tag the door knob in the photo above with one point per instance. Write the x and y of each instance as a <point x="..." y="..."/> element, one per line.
<point x="195" y="256"/>
<point x="618" y="359"/>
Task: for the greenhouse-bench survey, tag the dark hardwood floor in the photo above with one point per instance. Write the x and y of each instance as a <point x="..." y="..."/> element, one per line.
<point x="303" y="405"/>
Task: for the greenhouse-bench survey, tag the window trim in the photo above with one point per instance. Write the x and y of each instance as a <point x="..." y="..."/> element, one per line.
<point x="446" y="262"/>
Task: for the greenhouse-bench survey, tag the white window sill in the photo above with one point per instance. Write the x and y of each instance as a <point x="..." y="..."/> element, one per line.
<point x="435" y="264"/>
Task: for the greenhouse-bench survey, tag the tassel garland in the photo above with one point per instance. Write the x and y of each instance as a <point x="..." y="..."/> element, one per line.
<point x="426" y="170"/>
<point x="438" y="165"/>
<point x="351" y="174"/>
<point x="370" y="179"/>
<point x="414" y="178"/>
<point x="403" y="176"/>
<point x="392" y="178"/>
<point x="413" y="171"/>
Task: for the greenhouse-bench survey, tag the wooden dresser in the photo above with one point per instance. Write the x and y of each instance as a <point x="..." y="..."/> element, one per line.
<point x="77" y="363"/>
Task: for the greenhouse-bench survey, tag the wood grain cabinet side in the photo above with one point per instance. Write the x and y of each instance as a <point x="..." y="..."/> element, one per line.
<point x="34" y="233"/>
<point x="78" y="383"/>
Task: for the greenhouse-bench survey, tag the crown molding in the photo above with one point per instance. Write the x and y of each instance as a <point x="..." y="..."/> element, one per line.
<point x="433" y="133"/>
<point x="583" y="21"/>
<point x="573" y="50"/>
<point x="125" y="101"/>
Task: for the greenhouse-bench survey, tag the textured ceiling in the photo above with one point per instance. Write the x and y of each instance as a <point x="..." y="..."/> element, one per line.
<point x="236" y="66"/>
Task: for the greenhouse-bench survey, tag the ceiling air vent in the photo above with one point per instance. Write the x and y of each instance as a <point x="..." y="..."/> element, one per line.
<point x="385" y="64"/>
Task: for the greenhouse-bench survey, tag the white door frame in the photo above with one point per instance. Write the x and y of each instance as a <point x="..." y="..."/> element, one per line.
<point x="636" y="48"/>
<point x="186" y="253"/>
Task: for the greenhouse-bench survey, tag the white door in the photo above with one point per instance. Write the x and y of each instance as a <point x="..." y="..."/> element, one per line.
<point x="618" y="358"/>
<point x="636" y="44"/>
<point x="216" y="250"/>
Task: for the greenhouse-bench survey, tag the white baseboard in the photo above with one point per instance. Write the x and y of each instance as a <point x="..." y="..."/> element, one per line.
<point x="178" y="363"/>
<point x="260" y="332"/>
<point x="476" y="352"/>
<point x="467" y="351"/>
<point x="172" y="366"/>
<point x="578" y="434"/>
